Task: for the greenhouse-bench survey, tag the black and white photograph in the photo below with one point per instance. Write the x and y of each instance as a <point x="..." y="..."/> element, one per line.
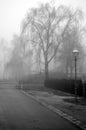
<point x="42" y="64"/>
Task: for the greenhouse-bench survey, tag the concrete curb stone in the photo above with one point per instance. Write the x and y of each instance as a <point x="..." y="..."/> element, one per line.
<point x="76" y="122"/>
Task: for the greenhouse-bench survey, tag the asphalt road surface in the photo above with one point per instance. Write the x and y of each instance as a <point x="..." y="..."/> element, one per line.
<point x="20" y="112"/>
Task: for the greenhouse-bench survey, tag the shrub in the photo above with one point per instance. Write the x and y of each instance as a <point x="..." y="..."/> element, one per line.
<point x="66" y="85"/>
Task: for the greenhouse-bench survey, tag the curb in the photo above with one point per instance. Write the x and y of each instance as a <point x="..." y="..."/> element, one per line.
<point x="74" y="121"/>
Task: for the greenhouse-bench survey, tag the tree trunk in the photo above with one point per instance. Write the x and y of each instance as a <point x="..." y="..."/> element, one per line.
<point x="46" y="66"/>
<point x="67" y="69"/>
<point x="46" y="71"/>
<point x="71" y="71"/>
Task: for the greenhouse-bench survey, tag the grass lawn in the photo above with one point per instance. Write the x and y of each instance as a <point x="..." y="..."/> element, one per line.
<point x="79" y="101"/>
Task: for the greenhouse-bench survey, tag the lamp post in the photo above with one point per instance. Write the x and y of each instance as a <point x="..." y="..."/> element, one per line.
<point x="75" y="53"/>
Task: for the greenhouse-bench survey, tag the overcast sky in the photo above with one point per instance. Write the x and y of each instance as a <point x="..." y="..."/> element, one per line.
<point x="12" y="13"/>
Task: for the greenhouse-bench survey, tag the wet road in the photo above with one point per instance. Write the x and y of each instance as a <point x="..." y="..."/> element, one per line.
<point x="20" y="112"/>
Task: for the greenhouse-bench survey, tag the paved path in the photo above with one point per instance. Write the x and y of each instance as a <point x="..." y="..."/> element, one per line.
<point x="20" y="112"/>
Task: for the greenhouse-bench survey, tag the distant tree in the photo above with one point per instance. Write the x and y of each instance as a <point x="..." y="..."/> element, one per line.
<point x="4" y="56"/>
<point x="15" y="65"/>
<point x="45" y="27"/>
<point x="72" y="40"/>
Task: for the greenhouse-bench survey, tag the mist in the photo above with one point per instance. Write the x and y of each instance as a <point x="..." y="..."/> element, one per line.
<point x="29" y="53"/>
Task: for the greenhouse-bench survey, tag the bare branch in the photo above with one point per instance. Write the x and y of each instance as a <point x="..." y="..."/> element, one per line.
<point x="42" y="43"/>
<point x="55" y="51"/>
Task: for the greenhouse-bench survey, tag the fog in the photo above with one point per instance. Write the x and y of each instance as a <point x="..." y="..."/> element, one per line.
<point x="30" y="51"/>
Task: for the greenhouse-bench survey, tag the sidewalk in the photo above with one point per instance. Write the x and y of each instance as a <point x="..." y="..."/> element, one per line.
<point x="74" y="113"/>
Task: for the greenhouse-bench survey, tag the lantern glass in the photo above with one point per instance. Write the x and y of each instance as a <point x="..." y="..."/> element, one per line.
<point x="75" y="52"/>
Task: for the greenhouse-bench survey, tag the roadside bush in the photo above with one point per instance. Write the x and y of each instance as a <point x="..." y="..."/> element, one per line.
<point x="66" y="85"/>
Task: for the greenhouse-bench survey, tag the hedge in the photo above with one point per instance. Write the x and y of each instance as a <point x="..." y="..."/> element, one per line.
<point x="66" y="85"/>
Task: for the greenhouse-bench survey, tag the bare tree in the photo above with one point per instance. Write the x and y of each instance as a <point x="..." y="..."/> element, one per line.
<point x="15" y="64"/>
<point x="71" y="41"/>
<point x="46" y="27"/>
<point x="20" y="62"/>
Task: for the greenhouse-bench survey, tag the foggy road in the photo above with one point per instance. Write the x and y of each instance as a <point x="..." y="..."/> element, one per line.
<point x="20" y="112"/>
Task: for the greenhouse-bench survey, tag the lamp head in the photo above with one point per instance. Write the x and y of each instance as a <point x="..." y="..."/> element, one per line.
<point x="75" y="52"/>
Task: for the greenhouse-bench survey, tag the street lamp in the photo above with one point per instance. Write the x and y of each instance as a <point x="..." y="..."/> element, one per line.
<point x="75" y="53"/>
